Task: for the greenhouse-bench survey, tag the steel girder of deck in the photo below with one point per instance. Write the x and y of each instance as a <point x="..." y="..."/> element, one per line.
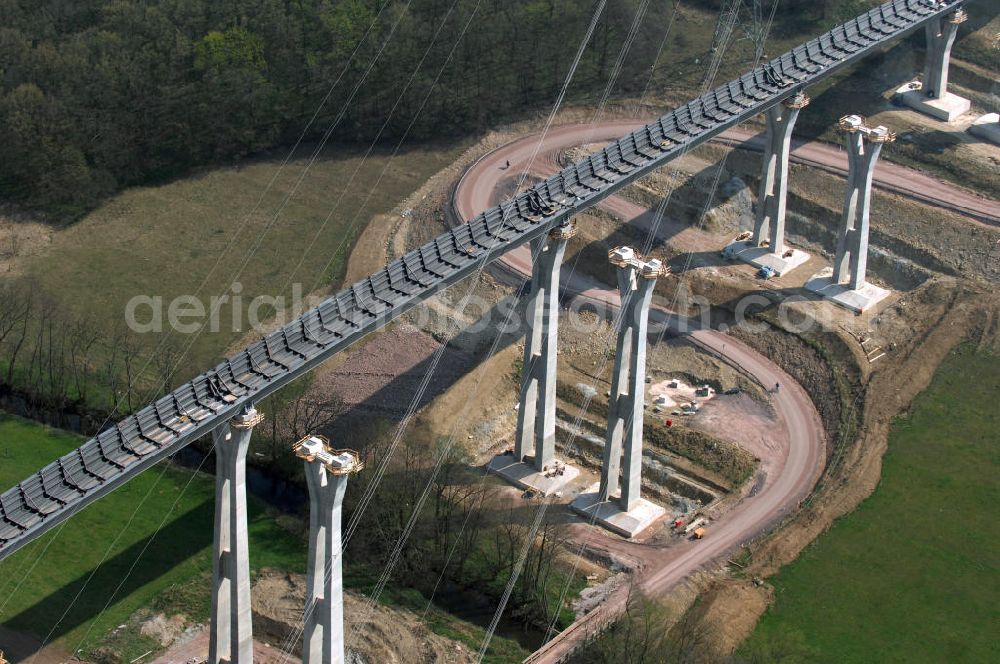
<point x="119" y="453"/>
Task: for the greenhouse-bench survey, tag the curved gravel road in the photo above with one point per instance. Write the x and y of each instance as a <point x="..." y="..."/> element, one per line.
<point x="792" y="462"/>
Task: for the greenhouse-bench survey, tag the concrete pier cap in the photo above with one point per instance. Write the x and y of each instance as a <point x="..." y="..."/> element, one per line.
<point x="797" y="101"/>
<point x="248" y="419"/>
<point x="326" y="470"/>
<point x="629" y="257"/>
<point x="564" y="231"/>
<point x="336" y="462"/>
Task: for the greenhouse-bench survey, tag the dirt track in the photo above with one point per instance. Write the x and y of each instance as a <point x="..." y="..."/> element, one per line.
<point x="478" y="183"/>
<point x="792" y="466"/>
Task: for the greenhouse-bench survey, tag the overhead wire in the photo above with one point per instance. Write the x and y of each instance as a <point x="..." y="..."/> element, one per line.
<point x="713" y="70"/>
<point x="595" y="118"/>
<point x="598" y="11"/>
<point x="118" y="404"/>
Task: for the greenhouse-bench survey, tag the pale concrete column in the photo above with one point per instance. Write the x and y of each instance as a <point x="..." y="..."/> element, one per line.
<point x="326" y="473"/>
<point x="536" y="417"/>
<point x="863" y="147"/>
<point x="771" y="198"/>
<point x="231" y="634"/>
<point x="619" y="397"/>
<point x="941" y="34"/>
<point x="632" y="472"/>
<point x="636" y="281"/>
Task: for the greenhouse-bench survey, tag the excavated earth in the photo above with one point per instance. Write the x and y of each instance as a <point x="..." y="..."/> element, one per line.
<point x="938" y="262"/>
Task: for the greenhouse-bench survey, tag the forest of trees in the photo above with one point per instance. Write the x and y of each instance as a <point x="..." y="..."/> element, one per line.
<point x="100" y="94"/>
<point x="96" y="95"/>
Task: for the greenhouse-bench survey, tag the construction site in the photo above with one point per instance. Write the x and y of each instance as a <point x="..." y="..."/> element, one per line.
<point x="606" y="355"/>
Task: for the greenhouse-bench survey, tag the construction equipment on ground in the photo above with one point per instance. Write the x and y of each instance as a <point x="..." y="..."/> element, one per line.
<point x="766" y="272"/>
<point x="700" y="521"/>
<point x="698" y="534"/>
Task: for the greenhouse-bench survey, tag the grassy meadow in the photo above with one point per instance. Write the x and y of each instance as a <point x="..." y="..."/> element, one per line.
<point x="250" y="224"/>
<point x="141" y="546"/>
<point x="912" y="575"/>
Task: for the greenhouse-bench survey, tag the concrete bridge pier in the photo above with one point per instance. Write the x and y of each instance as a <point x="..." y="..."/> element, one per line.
<point x="846" y="283"/>
<point x="230" y="634"/>
<point x="533" y="464"/>
<point x="931" y="96"/>
<point x="326" y="472"/>
<point x="627" y="513"/>
<point x="766" y="246"/>
<point x="987" y="127"/>
<point x="769" y="227"/>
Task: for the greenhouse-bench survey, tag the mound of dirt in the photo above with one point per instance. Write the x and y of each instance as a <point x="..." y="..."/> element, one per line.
<point x="381" y="376"/>
<point x="380" y="636"/>
<point x="165" y="630"/>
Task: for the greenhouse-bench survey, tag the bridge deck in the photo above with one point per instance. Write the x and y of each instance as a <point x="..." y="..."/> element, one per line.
<point x="110" y="459"/>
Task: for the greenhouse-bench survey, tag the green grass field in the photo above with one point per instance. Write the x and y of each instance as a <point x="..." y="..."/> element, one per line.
<point x="153" y="534"/>
<point x="913" y="575"/>
<point x="168" y="240"/>
<point x="148" y="545"/>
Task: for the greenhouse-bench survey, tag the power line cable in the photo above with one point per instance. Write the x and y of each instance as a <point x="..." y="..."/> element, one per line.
<point x="121" y="400"/>
<point x="616" y="70"/>
<point x="471" y="289"/>
<point x="713" y="70"/>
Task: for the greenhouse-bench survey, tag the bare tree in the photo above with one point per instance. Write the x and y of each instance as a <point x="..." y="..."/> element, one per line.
<point x="15" y="311"/>
<point x="648" y="633"/>
<point x="83" y="336"/>
<point x="170" y="352"/>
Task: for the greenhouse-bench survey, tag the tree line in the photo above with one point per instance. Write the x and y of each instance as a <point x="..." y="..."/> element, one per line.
<point x="96" y="95"/>
<point x="65" y="363"/>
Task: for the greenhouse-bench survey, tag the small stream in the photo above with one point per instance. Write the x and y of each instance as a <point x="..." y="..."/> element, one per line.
<point x="465" y="604"/>
<point x="274" y="491"/>
<point x="478" y="609"/>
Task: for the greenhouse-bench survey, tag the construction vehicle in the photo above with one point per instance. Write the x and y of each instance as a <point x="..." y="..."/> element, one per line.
<point x="698" y="534"/>
<point x="678" y="522"/>
<point x="695" y="524"/>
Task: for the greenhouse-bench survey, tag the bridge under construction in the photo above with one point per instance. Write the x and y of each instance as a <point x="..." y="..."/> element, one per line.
<point x="224" y="396"/>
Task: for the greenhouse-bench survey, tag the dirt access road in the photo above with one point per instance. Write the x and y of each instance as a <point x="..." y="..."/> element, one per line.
<point x="476" y="183"/>
<point x="791" y="467"/>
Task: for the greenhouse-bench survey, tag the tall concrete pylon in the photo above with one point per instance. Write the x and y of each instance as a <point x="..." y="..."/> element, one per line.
<point x="931" y="95"/>
<point x="769" y="225"/>
<point x="863" y="147"/>
<point x="536" y="417"/>
<point x="941" y="33"/>
<point x="231" y="633"/>
<point x="326" y="472"/>
<point x="636" y="280"/>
